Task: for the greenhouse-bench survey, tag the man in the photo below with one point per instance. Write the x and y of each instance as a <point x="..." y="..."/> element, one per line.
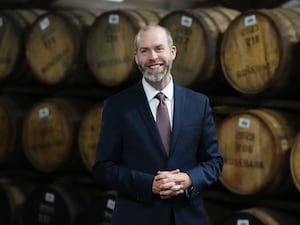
<point x="158" y="180"/>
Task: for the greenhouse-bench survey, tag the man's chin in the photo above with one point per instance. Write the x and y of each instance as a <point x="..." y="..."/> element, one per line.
<point x="154" y="78"/>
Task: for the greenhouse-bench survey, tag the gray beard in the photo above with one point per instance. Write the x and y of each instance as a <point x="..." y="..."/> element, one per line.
<point x="154" y="78"/>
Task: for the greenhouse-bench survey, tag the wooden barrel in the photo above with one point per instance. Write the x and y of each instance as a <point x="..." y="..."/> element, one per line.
<point x="255" y="151"/>
<point x="12" y="112"/>
<point x="261" y="216"/>
<point x="294" y="162"/>
<point x="109" y="48"/>
<point x="88" y="135"/>
<point x="11" y="202"/>
<point x="49" y="135"/>
<point x="55" y="47"/>
<point x="197" y="35"/>
<point x="260" y="52"/>
<point x="53" y="205"/>
<point x="14" y="26"/>
<point x="100" y="210"/>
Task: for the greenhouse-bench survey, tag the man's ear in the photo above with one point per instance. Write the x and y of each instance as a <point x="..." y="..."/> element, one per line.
<point x="173" y="52"/>
<point x="135" y="58"/>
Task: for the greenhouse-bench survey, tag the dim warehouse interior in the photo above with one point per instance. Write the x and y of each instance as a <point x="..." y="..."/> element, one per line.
<point x="60" y="59"/>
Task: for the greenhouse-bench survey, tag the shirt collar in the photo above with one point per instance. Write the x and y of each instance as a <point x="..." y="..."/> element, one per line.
<point x="151" y="91"/>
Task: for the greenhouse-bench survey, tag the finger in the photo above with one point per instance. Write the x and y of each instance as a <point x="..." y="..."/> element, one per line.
<point x="179" y="192"/>
<point x="166" y="193"/>
<point x="176" y="188"/>
<point x="165" y="175"/>
<point x="160" y="177"/>
<point x="175" y="171"/>
<point x="170" y="192"/>
<point x="169" y="172"/>
<point x="167" y="185"/>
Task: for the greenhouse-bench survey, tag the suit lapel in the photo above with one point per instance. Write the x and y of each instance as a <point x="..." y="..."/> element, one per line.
<point x="146" y="114"/>
<point x="177" y="115"/>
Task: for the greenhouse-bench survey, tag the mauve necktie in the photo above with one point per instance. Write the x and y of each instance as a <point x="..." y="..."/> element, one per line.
<point x="163" y="121"/>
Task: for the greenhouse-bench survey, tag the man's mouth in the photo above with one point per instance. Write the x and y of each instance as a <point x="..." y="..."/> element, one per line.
<point x="155" y="66"/>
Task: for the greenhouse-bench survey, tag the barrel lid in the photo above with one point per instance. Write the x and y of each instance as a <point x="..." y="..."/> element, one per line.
<point x="255" y="51"/>
<point x="109" y="47"/>
<point x="261" y="216"/>
<point x="48" y="135"/>
<point x="195" y="45"/>
<point x="252" y="151"/>
<point x="253" y="216"/>
<point x="53" y="47"/>
<point x="48" y="205"/>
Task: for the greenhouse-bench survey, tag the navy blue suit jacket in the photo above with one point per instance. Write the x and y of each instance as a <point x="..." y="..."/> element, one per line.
<point x="130" y="152"/>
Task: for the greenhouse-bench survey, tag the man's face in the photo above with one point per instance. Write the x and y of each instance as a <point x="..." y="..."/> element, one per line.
<point x="154" y="57"/>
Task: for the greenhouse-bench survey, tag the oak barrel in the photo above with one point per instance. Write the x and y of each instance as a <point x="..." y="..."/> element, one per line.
<point x="261" y="216"/>
<point x="14" y="25"/>
<point x="99" y="210"/>
<point x="256" y="151"/>
<point x="294" y="162"/>
<point x="12" y="112"/>
<point x="260" y="53"/>
<point x="88" y="135"/>
<point x="53" y="205"/>
<point x="197" y="35"/>
<point x="11" y="202"/>
<point x="55" y="47"/>
<point x="109" y="48"/>
<point x="49" y="135"/>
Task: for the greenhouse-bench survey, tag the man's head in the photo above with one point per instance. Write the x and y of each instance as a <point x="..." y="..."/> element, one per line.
<point x="154" y="54"/>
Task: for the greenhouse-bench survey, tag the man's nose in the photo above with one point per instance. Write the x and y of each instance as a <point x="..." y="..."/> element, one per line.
<point x="153" y="54"/>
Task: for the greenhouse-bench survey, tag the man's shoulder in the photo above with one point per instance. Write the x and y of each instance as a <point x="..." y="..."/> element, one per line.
<point x="190" y="92"/>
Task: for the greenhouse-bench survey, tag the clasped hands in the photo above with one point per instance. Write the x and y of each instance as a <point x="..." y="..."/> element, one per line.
<point x="170" y="183"/>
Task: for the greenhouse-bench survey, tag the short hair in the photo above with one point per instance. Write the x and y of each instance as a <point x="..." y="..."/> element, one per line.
<point x="143" y="29"/>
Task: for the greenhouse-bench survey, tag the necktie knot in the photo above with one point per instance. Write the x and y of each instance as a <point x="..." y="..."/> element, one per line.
<point x="160" y="96"/>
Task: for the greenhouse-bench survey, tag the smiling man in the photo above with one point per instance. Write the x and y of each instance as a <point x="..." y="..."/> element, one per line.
<point x="157" y="145"/>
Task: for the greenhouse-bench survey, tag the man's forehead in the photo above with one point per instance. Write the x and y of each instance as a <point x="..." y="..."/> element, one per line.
<point x="153" y="38"/>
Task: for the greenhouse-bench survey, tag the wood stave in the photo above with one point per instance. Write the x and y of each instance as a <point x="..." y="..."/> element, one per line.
<point x="280" y="128"/>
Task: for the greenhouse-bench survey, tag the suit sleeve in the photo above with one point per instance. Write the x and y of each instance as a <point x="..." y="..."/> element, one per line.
<point x="109" y="170"/>
<point x="210" y="160"/>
